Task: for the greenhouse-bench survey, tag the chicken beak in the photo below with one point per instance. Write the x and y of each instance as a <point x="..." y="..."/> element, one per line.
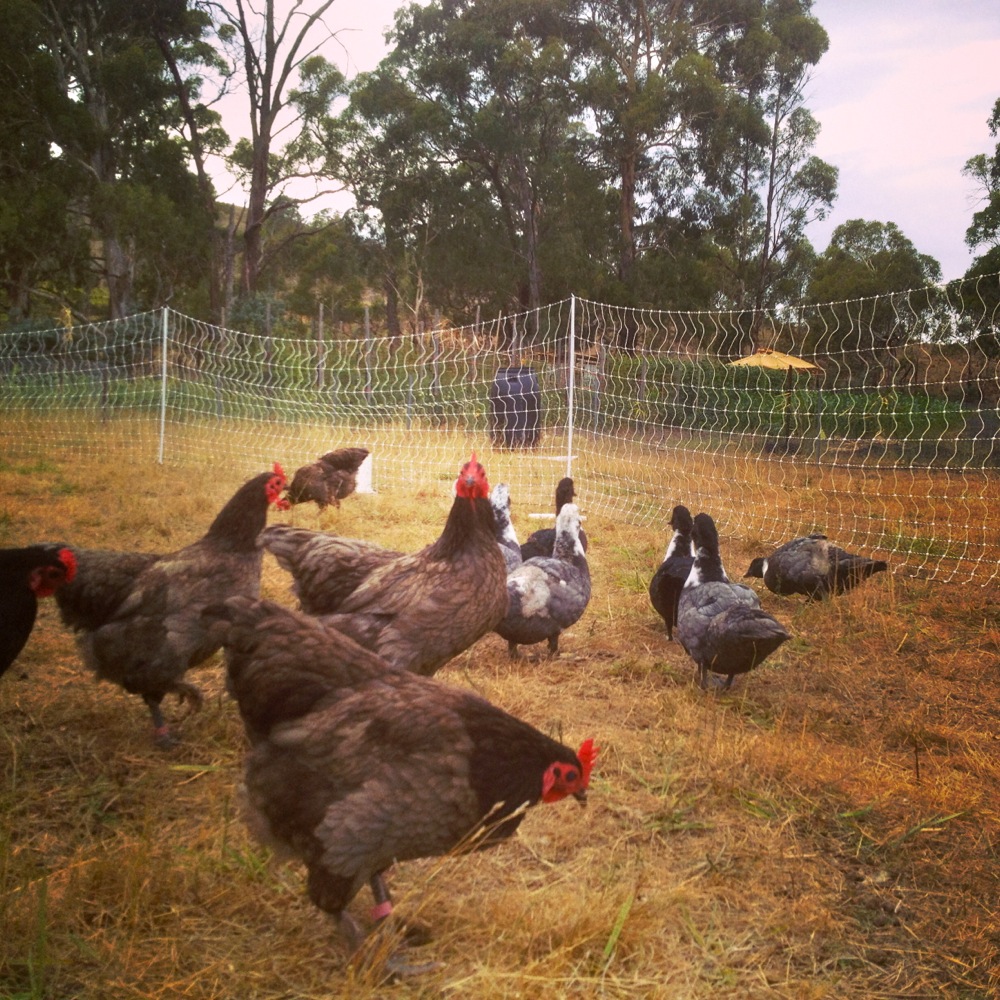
<point x="581" y="796"/>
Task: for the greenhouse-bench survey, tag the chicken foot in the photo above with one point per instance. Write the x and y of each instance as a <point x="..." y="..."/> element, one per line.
<point x="163" y="737"/>
<point x="395" y="964"/>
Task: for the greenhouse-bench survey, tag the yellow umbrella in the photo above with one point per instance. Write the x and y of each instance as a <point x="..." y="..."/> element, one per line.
<point x="764" y="357"/>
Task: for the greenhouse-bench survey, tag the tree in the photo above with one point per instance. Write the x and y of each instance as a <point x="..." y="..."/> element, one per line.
<point x="649" y="81"/>
<point x="979" y="293"/>
<point x="984" y="169"/>
<point x="271" y="52"/>
<point x="865" y="263"/>
<point x="103" y="144"/>
<point x="490" y="91"/>
<point x="767" y="185"/>
<point x="43" y="246"/>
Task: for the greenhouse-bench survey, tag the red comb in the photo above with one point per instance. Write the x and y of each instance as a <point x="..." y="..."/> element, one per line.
<point x="69" y="561"/>
<point x="278" y="470"/>
<point x="587" y="754"/>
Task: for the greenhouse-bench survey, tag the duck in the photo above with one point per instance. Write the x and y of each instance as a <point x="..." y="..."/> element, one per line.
<point x="506" y="535"/>
<point x="814" y="566"/>
<point x="668" y="581"/>
<point x="548" y="594"/>
<point x="721" y="624"/>
<point x="541" y="542"/>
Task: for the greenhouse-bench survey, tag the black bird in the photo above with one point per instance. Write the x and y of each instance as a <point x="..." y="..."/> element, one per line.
<point x="668" y="581"/>
<point x="813" y="566"/>
<point x="25" y="575"/>
<point x="541" y="542"/>
<point x="721" y="623"/>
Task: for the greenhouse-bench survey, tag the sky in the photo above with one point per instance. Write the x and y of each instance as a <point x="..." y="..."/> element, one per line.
<point x="902" y="96"/>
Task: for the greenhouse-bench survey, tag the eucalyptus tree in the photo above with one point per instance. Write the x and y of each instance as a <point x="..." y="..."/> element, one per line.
<point x="269" y="45"/>
<point x="854" y="280"/>
<point x="491" y="97"/>
<point x="647" y="79"/>
<point x="108" y="115"/>
<point x="978" y="293"/>
<point x="766" y="184"/>
<point x="43" y="246"/>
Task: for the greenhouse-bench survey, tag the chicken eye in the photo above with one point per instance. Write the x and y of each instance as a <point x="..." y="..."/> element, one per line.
<point x="571" y="774"/>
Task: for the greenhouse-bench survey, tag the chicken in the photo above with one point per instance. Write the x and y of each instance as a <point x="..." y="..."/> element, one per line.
<point x="540" y="543"/>
<point x="505" y="533"/>
<point x="813" y="566"/>
<point x="354" y="766"/>
<point x="547" y="594"/>
<point x="329" y="479"/>
<point x="25" y="575"/>
<point x="721" y="624"/>
<point x="668" y="581"/>
<point x="138" y="615"/>
<point x="418" y="611"/>
<point x="325" y="568"/>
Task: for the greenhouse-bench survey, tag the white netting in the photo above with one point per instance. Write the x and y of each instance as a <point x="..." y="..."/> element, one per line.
<point x="890" y="445"/>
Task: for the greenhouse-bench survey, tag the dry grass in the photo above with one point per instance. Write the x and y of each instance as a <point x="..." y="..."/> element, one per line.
<point x="828" y="830"/>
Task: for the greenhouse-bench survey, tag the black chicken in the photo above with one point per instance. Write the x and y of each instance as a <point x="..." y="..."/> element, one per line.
<point x="25" y="575"/>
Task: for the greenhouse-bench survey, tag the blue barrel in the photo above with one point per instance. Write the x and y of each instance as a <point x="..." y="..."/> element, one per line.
<point x="515" y="408"/>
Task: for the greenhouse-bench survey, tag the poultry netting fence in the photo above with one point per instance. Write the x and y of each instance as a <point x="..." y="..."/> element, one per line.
<point x="874" y="421"/>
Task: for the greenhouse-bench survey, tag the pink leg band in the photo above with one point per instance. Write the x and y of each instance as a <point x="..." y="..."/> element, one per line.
<point x="381" y="910"/>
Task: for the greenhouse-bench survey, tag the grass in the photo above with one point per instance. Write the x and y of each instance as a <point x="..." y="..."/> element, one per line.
<point x="829" y="829"/>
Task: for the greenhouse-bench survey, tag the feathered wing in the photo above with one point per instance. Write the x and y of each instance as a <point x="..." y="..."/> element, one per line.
<point x="724" y="630"/>
<point x="325" y="568"/>
<point x="418" y="611"/>
<point x="344" y="459"/>
<point x="103" y="581"/>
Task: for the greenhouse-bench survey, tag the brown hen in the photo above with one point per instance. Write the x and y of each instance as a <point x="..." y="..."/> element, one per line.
<point x="138" y="615"/>
<point x="416" y="611"/>
<point x="329" y="479"/>
<point x="354" y="766"/>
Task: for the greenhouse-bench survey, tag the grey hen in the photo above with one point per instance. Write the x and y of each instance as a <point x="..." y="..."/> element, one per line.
<point x="721" y="624"/>
<point x="814" y="566"/>
<point x="354" y="766"/>
<point x="547" y="594"/>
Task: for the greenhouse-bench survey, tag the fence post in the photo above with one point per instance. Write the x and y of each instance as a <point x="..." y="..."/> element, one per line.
<point x="163" y="385"/>
<point x="571" y="385"/>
